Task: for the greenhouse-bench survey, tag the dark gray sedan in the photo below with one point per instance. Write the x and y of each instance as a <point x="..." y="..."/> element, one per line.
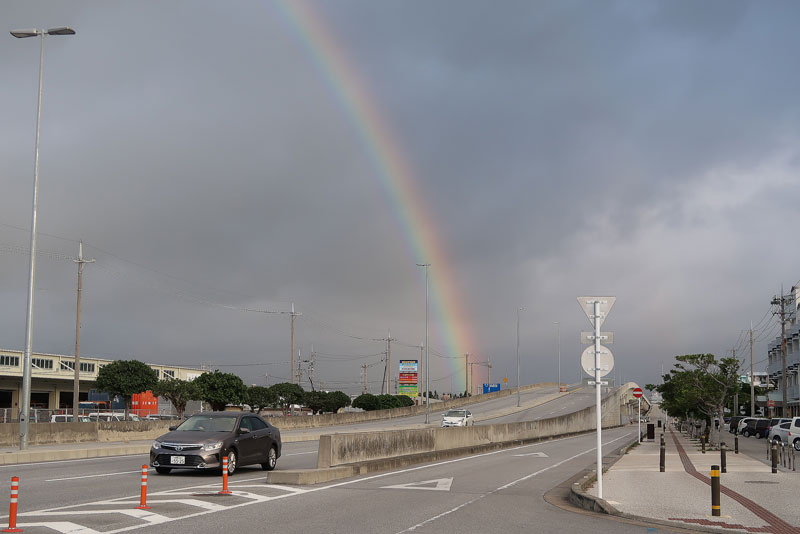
<point x="202" y="440"/>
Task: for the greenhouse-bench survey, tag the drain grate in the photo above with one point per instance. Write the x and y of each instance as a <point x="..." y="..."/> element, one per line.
<point x="760" y="482"/>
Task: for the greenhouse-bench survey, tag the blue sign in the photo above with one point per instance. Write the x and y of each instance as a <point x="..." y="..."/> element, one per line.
<point x="488" y="388"/>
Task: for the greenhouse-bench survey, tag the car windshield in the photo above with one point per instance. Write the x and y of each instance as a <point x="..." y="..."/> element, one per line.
<point x="204" y="423"/>
<point x="455" y="413"/>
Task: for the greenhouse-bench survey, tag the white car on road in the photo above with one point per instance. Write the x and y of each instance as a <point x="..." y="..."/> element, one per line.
<point x="457" y="418"/>
<point x="780" y="432"/>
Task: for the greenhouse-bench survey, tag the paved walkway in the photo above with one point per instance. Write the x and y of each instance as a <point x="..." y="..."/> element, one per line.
<point x="753" y="499"/>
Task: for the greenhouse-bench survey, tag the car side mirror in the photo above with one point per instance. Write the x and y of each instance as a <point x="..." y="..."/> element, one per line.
<point x="244" y="431"/>
<point x="172" y="428"/>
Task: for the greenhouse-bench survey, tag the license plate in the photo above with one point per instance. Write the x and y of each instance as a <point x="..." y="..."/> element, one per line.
<point x="177" y="460"/>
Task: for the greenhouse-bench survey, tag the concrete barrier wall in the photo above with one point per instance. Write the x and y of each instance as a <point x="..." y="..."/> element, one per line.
<point x="339" y="449"/>
<point x="55" y="433"/>
<point x="316" y="421"/>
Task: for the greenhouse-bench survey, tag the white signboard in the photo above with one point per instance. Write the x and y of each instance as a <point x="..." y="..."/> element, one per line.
<point x="587" y="303"/>
<point x="408" y="366"/>
<point x="587" y="338"/>
<point x="605" y="360"/>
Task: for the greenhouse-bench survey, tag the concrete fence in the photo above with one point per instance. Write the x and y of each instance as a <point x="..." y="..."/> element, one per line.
<point x="340" y="449"/>
<point x="56" y="433"/>
<point x="316" y="421"/>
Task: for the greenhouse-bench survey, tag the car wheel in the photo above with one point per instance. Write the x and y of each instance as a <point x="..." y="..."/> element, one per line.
<point x="163" y="470"/>
<point x="272" y="460"/>
<point x="797" y="444"/>
<point x="231" y="462"/>
<point x="746" y="433"/>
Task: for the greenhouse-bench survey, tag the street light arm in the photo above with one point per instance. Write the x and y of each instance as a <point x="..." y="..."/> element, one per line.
<point x="21" y="34"/>
<point x="64" y="30"/>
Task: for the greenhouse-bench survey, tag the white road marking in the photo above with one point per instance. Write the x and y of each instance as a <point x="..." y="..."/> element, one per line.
<point x="536" y="454"/>
<point x="298" y="453"/>
<point x="441" y="484"/>
<point x="95" y="476"/>
<point x="479" y="497"/>
<point x="18" y="466"/>
<point x="60" y="526"/>
<point x="252" y="498"/>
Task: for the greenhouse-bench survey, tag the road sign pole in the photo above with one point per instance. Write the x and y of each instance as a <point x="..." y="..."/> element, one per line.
<point x="639" y="421"/>
<point x="597" y="398"/>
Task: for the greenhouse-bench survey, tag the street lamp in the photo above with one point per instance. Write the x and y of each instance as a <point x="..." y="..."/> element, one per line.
<point x="518" y="310"/>
<point x="427" y="370"/>
<point x="26" y="366"/>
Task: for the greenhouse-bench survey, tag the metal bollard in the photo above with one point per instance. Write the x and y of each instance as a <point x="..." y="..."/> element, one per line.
<point x="143" y="496"/>
<point x="774" y="457"/>
<point x="722" y="459"/>
<point x="794" y="460"/>
<point x="12" y="513"/>
<point x="715" y="510"/>
<point x="225" y="477"/>
<point x="703" y="443"/>
<point x="736" y="444"/>
<point x="661" y="466"/>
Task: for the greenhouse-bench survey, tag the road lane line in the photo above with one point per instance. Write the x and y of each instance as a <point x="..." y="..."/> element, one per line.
<point x="506" y="486"/>
<point x="95" y="476"/>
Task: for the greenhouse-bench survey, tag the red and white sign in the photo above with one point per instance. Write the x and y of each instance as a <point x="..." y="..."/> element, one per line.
<point x="772" y="404"/>
<point x="408" y="378"/>
<point x="637" y="392"/>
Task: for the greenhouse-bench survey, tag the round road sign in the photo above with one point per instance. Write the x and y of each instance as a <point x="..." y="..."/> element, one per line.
<point x="637" y="392"/>
<point x="605" y="360"/>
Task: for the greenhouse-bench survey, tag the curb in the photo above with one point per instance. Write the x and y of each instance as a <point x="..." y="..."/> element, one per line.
<point x="315" y="476"/>
<point x="71" y="454"/>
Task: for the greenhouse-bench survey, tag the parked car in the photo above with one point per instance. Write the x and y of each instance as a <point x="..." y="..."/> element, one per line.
<point x="64" y="418"/>
<point x="743" y="422"/>
<point x="733" y="424"/>
<point x="794" y="433"/>
<point x="756" y="427"/>
<point x="106" y="417"/>
<point x="201" y="441"/>
<point x="457" y="418"/>
<point x="160" y="417"/>
<point x="775" y="421"/>
<point x="780" y="432"/>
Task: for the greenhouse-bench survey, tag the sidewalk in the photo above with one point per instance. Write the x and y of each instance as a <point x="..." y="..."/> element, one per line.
<point x="752" y="498"/>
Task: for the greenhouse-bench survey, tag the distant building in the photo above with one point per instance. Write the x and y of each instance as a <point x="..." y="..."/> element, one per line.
<point x="52" y="380"/>
<point x="775" y="359"/>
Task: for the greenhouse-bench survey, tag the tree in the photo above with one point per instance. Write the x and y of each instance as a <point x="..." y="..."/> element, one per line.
<point x="178" y="392"/>
<point x="260" y="397"/>
<point x="404" y="400"/>
<point x="700" y="382"/>
<point x="287" y="394"/>
<point x="336" y="400"/>
<point x="315" y="400"/>
<point x="126" y="378"/>
<point x="220" y="389"/>
<point x="366" y="401"/>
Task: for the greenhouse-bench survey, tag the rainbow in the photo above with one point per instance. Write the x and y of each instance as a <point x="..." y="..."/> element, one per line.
<point x="396" y="178"/>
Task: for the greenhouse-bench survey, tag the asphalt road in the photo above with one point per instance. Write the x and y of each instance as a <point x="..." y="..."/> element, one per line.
<point x="498" y="491"/>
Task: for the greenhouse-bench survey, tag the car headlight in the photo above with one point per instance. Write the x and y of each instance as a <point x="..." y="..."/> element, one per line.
<point x="156" y="444"/>
<point x="212" y="446"/>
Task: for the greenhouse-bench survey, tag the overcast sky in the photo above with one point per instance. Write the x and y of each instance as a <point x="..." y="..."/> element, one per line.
<point x="647" y="150"/>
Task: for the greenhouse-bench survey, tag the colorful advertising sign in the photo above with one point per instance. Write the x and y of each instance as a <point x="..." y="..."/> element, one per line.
<point x="407" y="378"/>
<point x="408" y="366"/>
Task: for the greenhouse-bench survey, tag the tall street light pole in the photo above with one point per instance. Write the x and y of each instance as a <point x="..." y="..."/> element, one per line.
<point x="558" y="336"/>
<point x="26" y="365"/>
<point x="427" y="371"/>
<point x="518" y="310"/>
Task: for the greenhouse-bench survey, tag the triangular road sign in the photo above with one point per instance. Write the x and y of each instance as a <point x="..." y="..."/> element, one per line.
<point x="441" y="484"/>
<point x="587" y="303"/>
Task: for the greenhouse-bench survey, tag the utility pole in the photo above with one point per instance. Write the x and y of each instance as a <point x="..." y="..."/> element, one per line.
<point x="782" y="303"/>
<point x="77" y="381"/>
<point x="389" y="362"/>
<point x="364" y="377"/>
<point x="752" y="378"/>
<point x="293" y="315"/>
<point x="311" y="367"/>
<point x="420" y="379"/>
<point x="736" y="393"/>
<point x="466" y="371"/>
<point x="299" y="376"/>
